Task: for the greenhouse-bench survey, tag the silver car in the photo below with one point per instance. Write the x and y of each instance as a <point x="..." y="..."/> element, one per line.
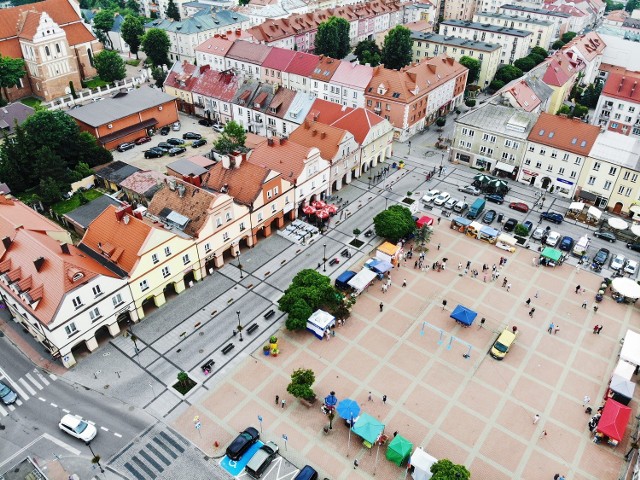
<point x="631" y="267"/>
<point x="538" y="233"/>
<point x="7" y="395"/>
<point x="617" y="262"/>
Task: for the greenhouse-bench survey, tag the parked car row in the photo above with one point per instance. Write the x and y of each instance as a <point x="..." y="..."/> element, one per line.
<point x="175" y="146"/>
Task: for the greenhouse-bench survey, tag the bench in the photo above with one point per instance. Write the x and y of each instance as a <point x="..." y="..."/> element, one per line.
<point x="252" y="328"/>
<point x="207" y="367"/>
<point x="269" y="314"/>
<point x="228" y="348"/>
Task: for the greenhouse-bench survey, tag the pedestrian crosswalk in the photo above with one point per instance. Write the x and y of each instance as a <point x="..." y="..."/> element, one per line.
<point x="26" y="387"/>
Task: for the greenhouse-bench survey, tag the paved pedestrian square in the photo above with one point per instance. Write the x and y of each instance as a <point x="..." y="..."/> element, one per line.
<point x="476" y="411"/>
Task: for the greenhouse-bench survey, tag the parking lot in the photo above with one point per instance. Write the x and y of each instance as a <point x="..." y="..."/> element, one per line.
<point x="135" y="156"/>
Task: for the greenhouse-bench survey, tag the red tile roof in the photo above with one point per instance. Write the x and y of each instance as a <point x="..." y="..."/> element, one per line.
<point x="303" y="64"/>
<point x="524" y="95"/>
<point x="625" y="86"/>
<point x="14" y="214"/>
<point x="590" y="45"/>
<point x="220" y="44"/>
<point x="281" y="102"/>
<point x="324" y="137"/>
<point x="325" y="69"/>
<point x="561" y="68"/>
<point x="78" y="33"/>
<point x="30" y="22"/>
<point x="283" y="156"/>
<point x="248" y="52"/>
<point x="60" y="11"/>
<point x="568" y="134"/>
<point x="278" y="58"/>
<point x="38" y="264"/>
<point x="243" y="183"/>
<point x="358" y="121"/>
<point x="214" y="84"/>
<point x="182" y="76"/>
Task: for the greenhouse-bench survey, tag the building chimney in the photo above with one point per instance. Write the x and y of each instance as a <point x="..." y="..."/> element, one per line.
<point x="6" y="241"/>
<point x="283" y="140"/>
<point x="65" y="248"/>
<point x="38" y="262"/>
<point x="270" y="141"/>
<point x="181" y="190"/>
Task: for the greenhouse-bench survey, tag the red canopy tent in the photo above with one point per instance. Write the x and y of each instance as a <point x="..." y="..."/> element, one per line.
<point x="424" y="220"/>
<point x="614" y="420"/>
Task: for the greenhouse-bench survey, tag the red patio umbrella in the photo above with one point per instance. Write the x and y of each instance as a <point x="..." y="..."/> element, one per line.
<point x="308" y="210"/>
<point x="332" y="209"/>
<point x="319" y="204"/>
<point x="322" y="214"/>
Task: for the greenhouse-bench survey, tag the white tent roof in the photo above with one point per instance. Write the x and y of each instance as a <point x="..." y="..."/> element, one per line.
<point x="576" y="206"/>
<point x="624" y="369"/>
<point x="506" y="238"/>
<point x="362" y="279"/>
<point x="622" y="386"/>
<point x="594" y="212"/>
<point x="631" y="348"/>
<point x="421" y="461"/>
<point x="321" y="319"/>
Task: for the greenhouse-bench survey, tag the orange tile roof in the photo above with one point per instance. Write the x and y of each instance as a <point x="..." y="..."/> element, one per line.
<point x="60" y="11"/>
<point x="325" y="69"/>
<point x="625" y="86"/>
<point x="48" y="279"/>
<point x="243" y="183"/>
<point x="10" y="48"/>
<point x="14" y="214"/>
<point x="283" y="156"/>
<point x="194" y="205"/>
<point x="30" y="21"/>
<point x="325" y="138"/>
<point x="253" y="141"/>
<point x="568" y="134"/>
<point x="358" y="121"/>
<point x="122" y="241"/>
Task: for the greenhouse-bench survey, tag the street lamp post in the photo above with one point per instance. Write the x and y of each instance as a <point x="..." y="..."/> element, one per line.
<point x="96" y="458"/>
<point x="324" y="258"/>
<point x="239" y="326"/>
<point x="239" y="264"/>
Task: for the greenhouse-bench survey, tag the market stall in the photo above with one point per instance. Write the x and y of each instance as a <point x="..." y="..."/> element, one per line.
<point x="399" y="450"/>
<point x="463" y="315"/>
<point x="625" y="289"/>
<point x="368" y="428"/>
<point x="473" y="229"/>
<point x="506" y="242"/>
<point x="388" y="252"/>
<point x="362" y="280"/>
<point x="488" y="234"/>
<point x="460" y="224"/>
<point x="550" y="257"/>
<point x="621" y="389"/>
<point x="613" y="423"/>
<point x="624" y="369"/>
<point x="320" y="322"/>
<point x="421" y="463"/>
<point x="631" y="348"/>
<point x="424" y="220"/>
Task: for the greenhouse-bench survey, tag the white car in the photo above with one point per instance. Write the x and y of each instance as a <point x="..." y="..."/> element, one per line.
<point x="538" y="233"/>
<point x="553" y="238"/>
<point x="77" y="427"/>
<point x="631" y="267"/>
<point x="617" y="262"/>
<point x="429" y="196"/>
<point x="451" y="203"/>
<point x="176" y="126"/>
<point x="442" y="198"/>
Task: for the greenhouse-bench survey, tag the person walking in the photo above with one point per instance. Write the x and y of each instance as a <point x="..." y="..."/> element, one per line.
<point x="508" y="287"/>
<point x="595" y="309"/>
<point x="384" y="399"/>
<point x="595" y="329"/>
<point x="599" y="329"/>
<point x="438" y="246"/>
<point x="578" y="289"/>
<point x="584" y="304"/>
<point x="586" y="400"/>
<point x="381" y="306"/>
<point x="531" y="312"/>
<point x="536" y="418"/>
<point x="404" y="283"/>
<point x="278" y="398"/>
<point x="444" y="304"/>
<point x="459" y="265"/>
<point x="556" y="330"/>
<point x="284" y="402"/>
<point x="528" y="302"/>
<point x="504" y="282"/>
<point x="550" y="329"/>
<point x="370" y="398"/>
<point x="438" y="220"/>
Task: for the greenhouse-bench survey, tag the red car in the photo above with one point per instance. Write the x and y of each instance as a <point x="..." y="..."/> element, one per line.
<point x="142" y="140"/>
<point x="519" y="206"/>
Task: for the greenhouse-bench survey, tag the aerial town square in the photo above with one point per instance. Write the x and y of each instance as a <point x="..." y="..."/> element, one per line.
<point x="319" y="240"/>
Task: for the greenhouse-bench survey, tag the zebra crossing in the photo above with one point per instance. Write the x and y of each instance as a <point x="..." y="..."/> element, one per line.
<point x="26" y="387"/>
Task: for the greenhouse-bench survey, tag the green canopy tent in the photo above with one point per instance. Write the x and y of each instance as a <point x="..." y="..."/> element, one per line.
<point x="399" y="450"/>
<point x="368" y="428"/>
<point x="552" y="254"/>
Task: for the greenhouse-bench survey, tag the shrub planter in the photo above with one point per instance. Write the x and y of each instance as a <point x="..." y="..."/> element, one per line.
<point x="356" y="243"/>
<point x="266" y="349"/>
<point x="308" y="402"/>
<point x="408" y="200"/>
<point x="185" y="387"/>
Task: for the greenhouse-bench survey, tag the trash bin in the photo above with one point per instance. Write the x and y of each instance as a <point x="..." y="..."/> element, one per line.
<point x="500" y="217"/>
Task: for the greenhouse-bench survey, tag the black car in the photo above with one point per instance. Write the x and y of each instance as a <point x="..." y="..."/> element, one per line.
<point x="176" y="150"/>
<point x="552" y="217"/>
<point x="205" y="122"/>
<point x="242" y="443"/>
<point x="165" y="130"/>
<point x="154" y="153"/>
<point x="495" y="198"/>
<point x="191" y="136"/>
<point x="634" y="246"/>
<point x="123" y="147"/>
<point x="199" y="143"/>
<point x="510" y="224"/>
<point x="489" y="216"/>
<point x="608" y="236"/>
<point x="601" y="257"/>
<point x="164" y="146"/>
<point x="175" y="141"/>
<point x="566" y="243"/>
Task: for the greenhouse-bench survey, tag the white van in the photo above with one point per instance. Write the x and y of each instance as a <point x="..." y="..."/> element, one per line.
<point x="581" y="246"/>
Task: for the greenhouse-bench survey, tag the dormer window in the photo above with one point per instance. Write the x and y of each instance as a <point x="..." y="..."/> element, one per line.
<point x="77" y="276"/>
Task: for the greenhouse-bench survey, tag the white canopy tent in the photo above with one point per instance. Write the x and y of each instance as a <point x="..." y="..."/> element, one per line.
<point x="631" y="348"/>
<point x="624" y="369"/>
<point x="622" y="386"/>
<point x="421" y="461"/>
<point x="635" y="229"/>
<point x="617" y="223"/>
<point x="319" y="322"/>
<point x="626" y="287"/>
<point x="362" y="279"/>
<point x="577" y="206"/>
<point x="594" y="212"/>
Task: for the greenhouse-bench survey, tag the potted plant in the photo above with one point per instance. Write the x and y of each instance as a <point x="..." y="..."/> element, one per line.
<point x="273" y="339"/>
<point x="266" y="349"/>
<point x="275" y="352"/>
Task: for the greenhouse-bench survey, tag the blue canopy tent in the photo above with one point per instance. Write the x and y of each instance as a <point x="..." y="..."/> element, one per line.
<point x="463" y="315"/>
<point x="382" y="266"/>
<point x="368" y="428"/>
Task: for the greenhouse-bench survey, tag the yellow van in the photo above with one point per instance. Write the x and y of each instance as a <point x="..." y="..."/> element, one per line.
<point x="502" y="345"/>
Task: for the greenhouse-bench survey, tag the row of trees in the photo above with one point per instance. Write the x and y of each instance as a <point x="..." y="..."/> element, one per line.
<point x="564" y="39"/>
<point x="47" y="153"/>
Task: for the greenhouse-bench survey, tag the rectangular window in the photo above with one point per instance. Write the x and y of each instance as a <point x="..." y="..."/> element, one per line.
<point x="273" y="209"/>
<point x="96" y="291"/>
<point x="527" y="162"/>
<point x="621" y="189"/>
<point x="613" y="170"/>
<point x="578" y="161"/>
<point x="269" y="194"/>
<point x="538" y="164"/>
<point x="634" y="178"/>
<point x="531" y="148"/>
<point x="167" y="251"/>
<point x="591" y="181"/>
<point x="185" y="259"/>
<point x="259" y="216"/>
<point x="144" y="285"/>
<point x="565" y="157"/>
<point x="207" y="248"/>
<point x="554" y="154"/>
<point x="626" y="175"/>
<point x="596" y="166"/>
<point x="508" y="143"/>
<point x="543" y="152"/>
<point x="154" y="258"/>
<point x="573" y="174"/>
<point x="77" y="303"/>
<point x="607" y="185"/>
<point x="219" y="222"/>
<point x="275" y="190"/>
<point x="505" y="156"/>
<point x="549" y="168"/>
<point x="71" y="329"/>
<point x="225" y="236"/>
<point x="561" y="171"/>
<point x="228" y="216"/>
<point x="242" y="227"/>
<point x="627" y="192"/>
<point x="94" y="314"/>
<point x="166" y="272"/>
<point x="117" y="300"/>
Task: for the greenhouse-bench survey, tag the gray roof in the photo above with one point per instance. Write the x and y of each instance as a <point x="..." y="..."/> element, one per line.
<point x="85" y="214"/>
<point x="12" y="113"/>
<point x="486" y="27"/>
<point x="199" y="23"/>
<point x="187" y="168"/>
<point x="541" y="11"/>
<point x="116" y="171"/>
<point x="118" y="20"/>
<point x="120" y="105"/>
<point x="454" y="41"/>
<point x="500" y="119"/>
<point x="513" y="18"/>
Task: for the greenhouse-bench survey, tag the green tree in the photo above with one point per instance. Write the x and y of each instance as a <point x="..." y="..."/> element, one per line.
<point x="132" y="30"/>
<point x="613" y="6"/>
<point x="102" y="24"/>
<point x="557" y="45"/>
<point x="299" y="313"/>
<point x="447" y="470"/>
<point x="368" y="51"/>
<point x="11" y="71"/>
<point x="508" y="73"/>
<point x="394" y="223"/>
<point x="332" y="38"/>
<point x="172" y="11"/>
<point x="159" y="75"/>
<point x="591" y="94"/>
<point x="564" y="110"/>
<point x="396" y="51"/>
<point x="470" y="102"/>
<point x="496" y="85"/>
<point x="632" y="5"/>
<point x="540" y="51"/>
<point x="521" y="230"/>
<point x="232" y="138"/>
<point x="474" y="68"/>
<point x="109" y="65"/>
<point x="580" y="111"/>
<point x="423" y="237"/>
<point x="183" y="378"/>
<point x="568" y="36"/>
<point x="525" y="63"/>
<point x="538" y="59"/>
<point x="441" y="121"/>
<point x="17" y="3"/>
<point x="155" y="43"/>
<point x="301" y="381"/>
<point x="133" y="6"/>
